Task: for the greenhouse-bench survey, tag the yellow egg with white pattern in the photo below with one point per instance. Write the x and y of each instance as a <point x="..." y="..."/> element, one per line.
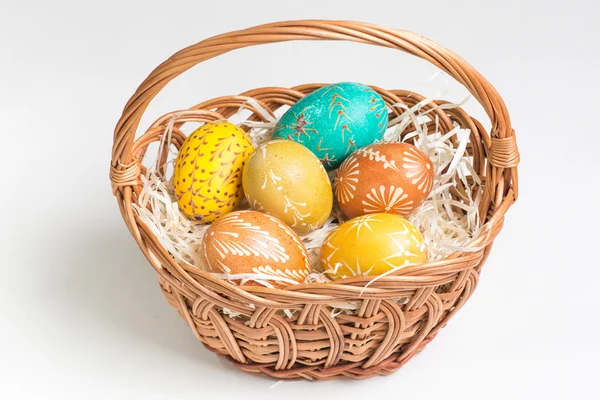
<point x="208" y="170"/>
<point x="285" y="179"/>
<point x="372" y="244"/>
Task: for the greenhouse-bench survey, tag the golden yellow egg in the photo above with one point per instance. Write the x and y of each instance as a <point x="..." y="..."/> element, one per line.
<point x="285" y="179"/>
<point x="208" y="170"/>
<point x="372" y="245"/>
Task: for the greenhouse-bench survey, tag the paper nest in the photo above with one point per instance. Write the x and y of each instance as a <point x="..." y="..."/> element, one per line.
<point x="447" y="225"/>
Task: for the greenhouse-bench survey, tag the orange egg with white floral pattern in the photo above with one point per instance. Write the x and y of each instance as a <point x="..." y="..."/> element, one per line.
<point x="391" y="178"/>
<point x="250" y="247"/>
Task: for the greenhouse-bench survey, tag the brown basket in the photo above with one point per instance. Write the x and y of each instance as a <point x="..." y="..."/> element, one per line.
<point x="314" y="344"/>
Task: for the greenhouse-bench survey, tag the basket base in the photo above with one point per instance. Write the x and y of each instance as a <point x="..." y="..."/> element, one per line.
<point x="348" y="370"/>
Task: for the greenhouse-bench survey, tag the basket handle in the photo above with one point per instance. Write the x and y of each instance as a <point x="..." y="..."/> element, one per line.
<point x="502" y="148"/>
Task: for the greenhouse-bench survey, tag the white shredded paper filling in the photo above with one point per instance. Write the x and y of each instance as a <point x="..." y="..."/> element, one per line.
<point x="444" y="230"/>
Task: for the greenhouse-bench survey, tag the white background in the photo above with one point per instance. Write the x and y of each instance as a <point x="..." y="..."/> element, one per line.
<point x="81" y="314"/>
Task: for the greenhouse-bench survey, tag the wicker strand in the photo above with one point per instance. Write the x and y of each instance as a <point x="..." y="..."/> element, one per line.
<point x="122" y="175"/>
<point x="503" y="152"/>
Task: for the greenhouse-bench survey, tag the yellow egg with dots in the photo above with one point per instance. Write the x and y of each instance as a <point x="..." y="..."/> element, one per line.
<point x="372" y="244"/>
<point x="208" y="170"/>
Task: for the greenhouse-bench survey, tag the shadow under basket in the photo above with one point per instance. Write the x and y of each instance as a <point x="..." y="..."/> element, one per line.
<point x="292" y="333"/>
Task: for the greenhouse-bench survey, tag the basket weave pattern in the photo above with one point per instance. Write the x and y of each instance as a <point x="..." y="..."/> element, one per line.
<point x="293" y="333"/>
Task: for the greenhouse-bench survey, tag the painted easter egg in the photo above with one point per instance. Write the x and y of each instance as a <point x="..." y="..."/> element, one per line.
<point x="208" y="170"/>
<point x="383" y="178"/>
<point x="335" y="120"/>
<point x="286" y="180"/>
<point x="371" y="245"/>
<point x="250" y="242"/>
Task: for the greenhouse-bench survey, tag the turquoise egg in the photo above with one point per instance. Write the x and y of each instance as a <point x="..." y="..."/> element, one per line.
<point x="335" y="120"/>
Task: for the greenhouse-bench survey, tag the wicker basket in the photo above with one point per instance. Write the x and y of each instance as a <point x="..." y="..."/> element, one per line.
<point x="313" y="344"/>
